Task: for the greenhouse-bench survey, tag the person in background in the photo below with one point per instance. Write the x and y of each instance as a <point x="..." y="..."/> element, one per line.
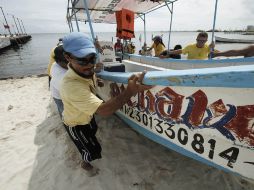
<point x="80" y="101"/>
<point x="118" y="46"/>
<point x="246" y="52"/>
<point x="52" y="59"/>
<point x="164" y="54"/>
<point x="158" y="46"/>
<point x="144" y="51"/>
<point x="57" y="73"/>
<point x="198" y="50"/>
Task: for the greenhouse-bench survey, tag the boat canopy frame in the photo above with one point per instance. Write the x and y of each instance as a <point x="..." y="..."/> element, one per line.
<point x="72" y="15"/>
<point x="142" y="15"/>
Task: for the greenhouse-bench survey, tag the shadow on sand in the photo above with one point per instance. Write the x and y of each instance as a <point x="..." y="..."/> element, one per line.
<point x="129" y="161"/>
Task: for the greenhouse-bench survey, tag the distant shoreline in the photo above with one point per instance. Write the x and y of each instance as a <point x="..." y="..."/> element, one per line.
<point x="225" y="31"/>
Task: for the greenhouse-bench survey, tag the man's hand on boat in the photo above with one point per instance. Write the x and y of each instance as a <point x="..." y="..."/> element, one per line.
<point x="212" y="45"/>
<point x="135" y="84"/>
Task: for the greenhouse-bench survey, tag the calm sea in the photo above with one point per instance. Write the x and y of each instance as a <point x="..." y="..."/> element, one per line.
<point x="32" y="58"/>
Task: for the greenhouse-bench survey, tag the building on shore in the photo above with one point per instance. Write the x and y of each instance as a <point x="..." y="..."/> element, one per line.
<point x="250" y="28"/>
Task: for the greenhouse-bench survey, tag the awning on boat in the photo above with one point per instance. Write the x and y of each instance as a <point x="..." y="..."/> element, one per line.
<point x="102" y="11"/>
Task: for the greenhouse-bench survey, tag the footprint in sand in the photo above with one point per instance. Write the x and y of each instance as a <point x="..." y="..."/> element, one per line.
<point x="10" y="107"/>
<point x="24" y="124"/>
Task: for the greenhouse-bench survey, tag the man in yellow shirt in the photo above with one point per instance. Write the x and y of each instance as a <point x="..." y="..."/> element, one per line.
<point x="199" y="50"/>
<point x="80" y="101"/>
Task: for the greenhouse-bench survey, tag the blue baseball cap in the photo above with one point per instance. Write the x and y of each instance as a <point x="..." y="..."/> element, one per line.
<point x="78" y="44"/>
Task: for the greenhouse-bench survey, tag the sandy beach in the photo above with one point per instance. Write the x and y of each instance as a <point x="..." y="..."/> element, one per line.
<point x="36" y="152"/>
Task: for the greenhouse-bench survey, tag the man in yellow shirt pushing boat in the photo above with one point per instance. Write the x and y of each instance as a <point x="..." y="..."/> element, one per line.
<point x="80" y="101"/>
<point x="199" y="50"/>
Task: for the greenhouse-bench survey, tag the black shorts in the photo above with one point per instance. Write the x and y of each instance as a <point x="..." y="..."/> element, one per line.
<point x="85" y="140"/>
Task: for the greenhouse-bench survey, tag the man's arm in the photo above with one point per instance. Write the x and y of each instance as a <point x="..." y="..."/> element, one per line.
<point x="174" y="52"/>
<point x="115" y="103"/>
<point x="246" y="52"/>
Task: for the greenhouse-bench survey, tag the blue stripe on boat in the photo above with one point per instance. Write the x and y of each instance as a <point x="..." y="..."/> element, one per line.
<point x="231" y="76"/>
<point x="202" y="62"/>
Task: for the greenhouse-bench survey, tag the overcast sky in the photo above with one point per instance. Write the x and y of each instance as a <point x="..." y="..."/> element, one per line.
<point x="49" y="16"/>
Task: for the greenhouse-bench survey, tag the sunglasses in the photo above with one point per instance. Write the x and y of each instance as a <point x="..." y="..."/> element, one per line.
<point x="89" y="59"/>
<point x="203" y="41"/>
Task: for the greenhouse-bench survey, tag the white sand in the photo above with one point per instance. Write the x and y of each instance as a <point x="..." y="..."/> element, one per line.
<point x="36" y="152"/>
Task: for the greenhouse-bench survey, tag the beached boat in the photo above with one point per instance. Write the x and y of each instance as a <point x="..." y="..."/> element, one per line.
<point x="203" y="109"/>
<point x="230" y="40"/>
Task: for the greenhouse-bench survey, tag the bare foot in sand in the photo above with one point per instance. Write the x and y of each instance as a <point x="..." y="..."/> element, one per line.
<point x="89" y="169"/>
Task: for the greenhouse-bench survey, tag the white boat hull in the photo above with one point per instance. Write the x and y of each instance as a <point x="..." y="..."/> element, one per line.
<point x="212" y="123"/>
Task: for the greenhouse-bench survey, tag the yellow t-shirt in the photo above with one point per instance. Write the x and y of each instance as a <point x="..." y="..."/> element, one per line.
<point x="196" y="53"/>
<point x="79" y="99"/>
<point x="158" y="49"/>
<point x="51" y="60"/>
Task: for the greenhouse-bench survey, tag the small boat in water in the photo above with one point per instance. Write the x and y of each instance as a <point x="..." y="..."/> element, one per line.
<point x="230" y="40"/>
<point x="203" y="109"/>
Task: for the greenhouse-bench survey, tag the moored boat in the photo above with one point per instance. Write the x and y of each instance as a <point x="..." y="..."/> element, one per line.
<point x="20" y="37"/>
<point x="230" y="40"/>
<point x="203" y="109"/>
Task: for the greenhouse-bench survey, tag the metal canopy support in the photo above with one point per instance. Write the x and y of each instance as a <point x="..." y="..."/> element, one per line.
<point x="91" y="29"/>
<point x="144" y="28"/>
<point x="144" y="20"/>
<point x="171" y="17"/>
<point x="89" y="20"/>
<point x="71" y="26"/>
<point x="166" y="2"/>
<point x="214" y="21"/>
<point x="68" y="15"/>
<point x="69" y="23"/>
<point x="75" y="17"/>
<point x="69" y="20"/>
